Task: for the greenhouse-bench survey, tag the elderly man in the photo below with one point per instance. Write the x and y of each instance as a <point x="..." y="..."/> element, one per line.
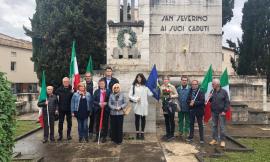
<point x="64" y="94"/>
<point x="51" y="104"/>
<point x="91" y="87"/>
<point x="219" y="105"/>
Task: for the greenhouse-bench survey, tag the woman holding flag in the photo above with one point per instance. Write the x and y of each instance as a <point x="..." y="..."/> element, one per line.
<point x="101" y="110"/>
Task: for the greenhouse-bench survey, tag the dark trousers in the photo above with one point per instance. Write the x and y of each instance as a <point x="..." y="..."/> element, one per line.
<point x="91" y="123"/>
<point x="83" y="128"/>
<point x="199" y="116"/>
<point x="62" y="115"/>
<point x="139" y="119"/>
<point x="104" y="131"/>
<point x="48" y="128"/>
<point x="117" y="128"/>
<point x="170" y="124"/>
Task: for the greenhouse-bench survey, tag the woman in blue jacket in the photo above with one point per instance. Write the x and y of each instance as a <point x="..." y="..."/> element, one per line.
<point x="80" y="108"/>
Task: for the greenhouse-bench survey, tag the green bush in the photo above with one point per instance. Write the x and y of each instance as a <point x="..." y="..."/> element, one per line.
<point x="7" y="119"/>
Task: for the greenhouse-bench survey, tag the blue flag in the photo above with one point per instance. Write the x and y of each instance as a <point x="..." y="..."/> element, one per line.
<point x="152" y="83"/>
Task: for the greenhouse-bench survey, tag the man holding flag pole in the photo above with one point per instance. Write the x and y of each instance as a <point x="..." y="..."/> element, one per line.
<point x="220" y="108"/>
<point x="49" y="103"/>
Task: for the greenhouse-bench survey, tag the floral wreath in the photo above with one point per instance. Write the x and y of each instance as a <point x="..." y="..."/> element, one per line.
<point x="121" y="38"/>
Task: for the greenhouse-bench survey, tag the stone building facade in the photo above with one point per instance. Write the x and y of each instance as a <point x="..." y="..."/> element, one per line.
<point x="16" y="62"/>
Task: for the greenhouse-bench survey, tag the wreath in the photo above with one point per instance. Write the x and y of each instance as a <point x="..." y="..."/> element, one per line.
<point x="121" y="38"/>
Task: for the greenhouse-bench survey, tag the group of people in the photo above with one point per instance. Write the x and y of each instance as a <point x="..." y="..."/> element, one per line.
<point x="101" y="104"/>
<point x="192" y="103"/>
<point x="104" y="100"/>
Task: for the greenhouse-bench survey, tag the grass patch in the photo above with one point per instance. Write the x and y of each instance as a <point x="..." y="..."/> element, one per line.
<point x="261" y="152"/>
<point x="24" y="126"/>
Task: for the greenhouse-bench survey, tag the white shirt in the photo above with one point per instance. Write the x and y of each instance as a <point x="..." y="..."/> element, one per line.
<point x="140" y="107"/>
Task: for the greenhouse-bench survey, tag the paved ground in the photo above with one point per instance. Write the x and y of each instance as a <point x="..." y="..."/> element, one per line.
<point x="149" y="150"/>
<point x="152" y="149"/>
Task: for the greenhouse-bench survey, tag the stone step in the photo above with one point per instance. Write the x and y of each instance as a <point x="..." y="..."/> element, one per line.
<point x="249" y="115"/>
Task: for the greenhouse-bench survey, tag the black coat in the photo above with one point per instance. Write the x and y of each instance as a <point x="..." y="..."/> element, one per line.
<point x="64" y="96"/>
<point x="52" y="105"/>
<point x="199" y="102"/>
<point x="96" y="100"/>
<point x="112" y="82"/>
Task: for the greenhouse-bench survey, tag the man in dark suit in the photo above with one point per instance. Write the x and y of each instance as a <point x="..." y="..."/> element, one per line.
<point x="109" y="80"/>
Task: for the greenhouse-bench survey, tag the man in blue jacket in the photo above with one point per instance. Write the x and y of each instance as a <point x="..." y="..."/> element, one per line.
<point x="183" y="115"/>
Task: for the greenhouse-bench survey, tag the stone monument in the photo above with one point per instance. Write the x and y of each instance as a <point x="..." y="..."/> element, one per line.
<point x="182" y="37"/>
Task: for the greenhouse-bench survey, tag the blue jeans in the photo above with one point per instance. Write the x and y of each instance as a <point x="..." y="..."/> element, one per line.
<point x="83" y="127"/>
<point x="218" y="121"/>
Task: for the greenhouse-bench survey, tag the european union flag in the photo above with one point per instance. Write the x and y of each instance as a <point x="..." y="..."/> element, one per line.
<point x="152" y="83"/>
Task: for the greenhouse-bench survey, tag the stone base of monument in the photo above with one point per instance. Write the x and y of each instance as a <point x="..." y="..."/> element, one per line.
<point x="242" y="114"/>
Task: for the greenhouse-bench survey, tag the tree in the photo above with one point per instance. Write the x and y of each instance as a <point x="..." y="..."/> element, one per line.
<point x="254" y="56"/>
<point x="227" y="11"/>
<point x="7" y="119"/>
<point x="55" y="24"/>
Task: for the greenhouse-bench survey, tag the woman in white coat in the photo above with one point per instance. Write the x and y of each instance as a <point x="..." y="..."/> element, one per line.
<point x="138" y="97"/>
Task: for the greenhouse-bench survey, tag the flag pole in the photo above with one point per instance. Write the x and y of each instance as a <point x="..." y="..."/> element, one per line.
<point x="196" y="94"/>
<point x="48" y="115"/>
<point x="100" y="122"/>
<point x="211" y="92"/>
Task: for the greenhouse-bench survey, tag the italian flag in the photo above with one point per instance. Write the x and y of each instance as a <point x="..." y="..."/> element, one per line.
<point x="207" y="88"/>
<point x="74" y="71"/>
<point x="89" y="67"/>
<point x="42" y="97"/>
<point x="224" y="83"/>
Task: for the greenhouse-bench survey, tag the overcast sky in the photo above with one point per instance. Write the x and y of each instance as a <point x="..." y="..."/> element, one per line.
<point x="15" y="13"/>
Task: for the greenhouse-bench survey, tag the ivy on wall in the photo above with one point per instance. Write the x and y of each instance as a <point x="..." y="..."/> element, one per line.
<point x="7" y="119"/>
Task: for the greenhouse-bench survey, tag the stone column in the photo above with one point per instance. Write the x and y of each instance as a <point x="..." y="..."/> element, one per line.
<point x="124" y="10"/>
<point x="113" y="10"/>
<point x="132" y="10"/>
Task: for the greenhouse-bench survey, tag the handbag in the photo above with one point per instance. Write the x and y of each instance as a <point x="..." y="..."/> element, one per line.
<point x="127" y="109"/>
<point x="174" y="104"/>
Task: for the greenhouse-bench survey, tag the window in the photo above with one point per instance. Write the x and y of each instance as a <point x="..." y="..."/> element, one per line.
<point x="13" y="66"/>
<point x="13" y="54"/>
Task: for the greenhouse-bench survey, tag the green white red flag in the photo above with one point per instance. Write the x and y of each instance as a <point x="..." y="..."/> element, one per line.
<point x="74" y="71"/>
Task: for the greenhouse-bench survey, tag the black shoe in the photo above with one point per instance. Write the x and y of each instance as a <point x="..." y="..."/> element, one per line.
<point x="189" y="140"/>
<point x="96" y="139"/>
<point x="164" y="137"/>
<point x="80" y="140"/>
<point x="142" y="136"/>
<point x="60" y="138"/>
<point x="86" y="139"/>
<point x="138" y="136"/>
<point x="90" y="135"/>
<point x="45" y="141"/>
<point x="52" y="140"/>
<point x="69" y="137"/>
<point x="103" y="140"/>
<point x="170" y="138"/>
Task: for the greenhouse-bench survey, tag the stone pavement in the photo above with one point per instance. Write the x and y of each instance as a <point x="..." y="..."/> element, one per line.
<point x="149" y="150"/>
